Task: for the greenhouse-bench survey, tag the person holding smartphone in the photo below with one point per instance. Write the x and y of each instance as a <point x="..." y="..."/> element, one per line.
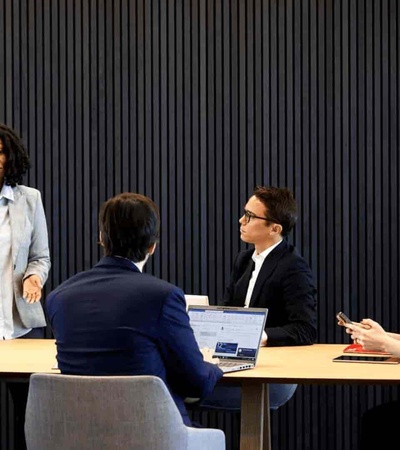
<point x="372" y="336"/>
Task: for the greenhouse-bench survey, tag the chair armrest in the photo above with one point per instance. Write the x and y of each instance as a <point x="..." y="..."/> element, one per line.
<point x="209" y="438"/>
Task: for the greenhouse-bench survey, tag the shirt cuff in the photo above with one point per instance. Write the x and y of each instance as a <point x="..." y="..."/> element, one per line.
<point x="264" y="339"/>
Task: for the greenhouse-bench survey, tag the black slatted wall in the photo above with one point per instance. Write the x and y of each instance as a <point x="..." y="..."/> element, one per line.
<point x="194" y="102"/>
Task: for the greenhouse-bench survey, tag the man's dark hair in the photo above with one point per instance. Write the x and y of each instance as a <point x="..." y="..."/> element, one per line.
<point x="129" y="224"/>
<point x="280" y="204"/>
<point x="17" y="162"/>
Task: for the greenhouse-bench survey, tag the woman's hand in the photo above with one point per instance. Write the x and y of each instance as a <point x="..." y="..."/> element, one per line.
<point x="32" y="289"/>
<point x="369" y="334"/>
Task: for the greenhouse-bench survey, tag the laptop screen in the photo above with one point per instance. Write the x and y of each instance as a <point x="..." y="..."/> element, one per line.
<point x="233" y="333"/>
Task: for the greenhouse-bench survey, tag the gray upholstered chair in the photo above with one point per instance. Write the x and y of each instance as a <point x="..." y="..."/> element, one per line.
<point x="125" y="412"/>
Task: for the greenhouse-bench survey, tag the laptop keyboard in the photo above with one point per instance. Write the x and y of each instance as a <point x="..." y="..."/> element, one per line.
<point x="228" y="364"/>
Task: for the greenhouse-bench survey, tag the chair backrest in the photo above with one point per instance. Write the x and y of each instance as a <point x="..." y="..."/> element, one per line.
<point x="110" y="412"/>
<point x="196" y="300"/>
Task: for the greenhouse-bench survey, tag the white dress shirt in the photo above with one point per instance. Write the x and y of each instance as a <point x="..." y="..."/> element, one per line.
<point x="258" y="259"/>
<point x="6" y="271"/>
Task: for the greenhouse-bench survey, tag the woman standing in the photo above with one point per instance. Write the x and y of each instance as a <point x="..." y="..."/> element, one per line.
<point x="24" y="248"/>
<point x="24" y="260"/>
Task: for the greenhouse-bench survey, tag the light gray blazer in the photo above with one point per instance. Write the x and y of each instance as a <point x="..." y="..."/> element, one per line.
<point x="30" y="249"/>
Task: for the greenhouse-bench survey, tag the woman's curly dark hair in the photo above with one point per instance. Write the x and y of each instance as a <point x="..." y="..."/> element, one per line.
<point x="17" y="162"/>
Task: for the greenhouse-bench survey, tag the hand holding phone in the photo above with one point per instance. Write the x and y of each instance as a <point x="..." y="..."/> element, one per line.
<point x="343" y="319"/>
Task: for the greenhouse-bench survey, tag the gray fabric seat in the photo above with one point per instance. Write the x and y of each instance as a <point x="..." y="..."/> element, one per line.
<point x="125" y="412"/>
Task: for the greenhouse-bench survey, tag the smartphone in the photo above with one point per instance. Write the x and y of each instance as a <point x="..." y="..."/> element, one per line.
<point x="366" y="359"/>
<point x="342" y="318"/>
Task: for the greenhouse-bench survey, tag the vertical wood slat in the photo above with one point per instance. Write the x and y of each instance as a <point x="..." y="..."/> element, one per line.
<point x="3" y="88"/>
<point x="194" y="103"/>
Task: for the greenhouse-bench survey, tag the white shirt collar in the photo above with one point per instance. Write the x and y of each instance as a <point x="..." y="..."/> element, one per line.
<point x="259" y="257"/>
<point x="139" y="264"/>
<point x="7" y="192"/>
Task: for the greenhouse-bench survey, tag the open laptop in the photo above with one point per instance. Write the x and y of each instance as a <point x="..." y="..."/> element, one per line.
<point x="234" y="334"/>
<point x="196" y="300"/>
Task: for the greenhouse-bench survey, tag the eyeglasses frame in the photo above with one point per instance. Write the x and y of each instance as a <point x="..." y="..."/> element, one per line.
<point x="248" y="215"/>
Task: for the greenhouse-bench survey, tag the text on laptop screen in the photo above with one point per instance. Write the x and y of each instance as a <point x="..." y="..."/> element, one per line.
<point x="230" y="333"/>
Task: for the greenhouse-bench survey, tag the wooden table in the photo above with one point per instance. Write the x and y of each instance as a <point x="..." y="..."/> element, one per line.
<point x="303" y="365"/>
<point x="19" y="358"/>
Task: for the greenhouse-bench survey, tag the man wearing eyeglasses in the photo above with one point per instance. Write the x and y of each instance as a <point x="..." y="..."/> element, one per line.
<point x="271" y="275"/>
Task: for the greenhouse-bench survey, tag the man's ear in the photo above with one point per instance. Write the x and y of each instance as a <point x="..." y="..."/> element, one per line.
<point x="152" y="248"/>
<point x="277" y="229"/>
<point x="101" y="239"/>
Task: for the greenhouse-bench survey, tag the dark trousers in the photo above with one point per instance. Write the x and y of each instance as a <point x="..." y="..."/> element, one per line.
<point x="379" y="427"/>
<point x="19" y="395"/>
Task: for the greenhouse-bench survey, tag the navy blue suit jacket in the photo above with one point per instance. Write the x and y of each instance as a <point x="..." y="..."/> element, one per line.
<point x="286" y="287"/>
<point x="115" y="320"/>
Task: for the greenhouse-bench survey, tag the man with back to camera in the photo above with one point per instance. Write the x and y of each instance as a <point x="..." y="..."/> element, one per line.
<point x="115" y="320"/>
<point x="273" y="275"/>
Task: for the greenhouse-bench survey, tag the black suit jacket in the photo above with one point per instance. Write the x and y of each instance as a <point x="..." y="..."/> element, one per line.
<point x="286" y="287"/>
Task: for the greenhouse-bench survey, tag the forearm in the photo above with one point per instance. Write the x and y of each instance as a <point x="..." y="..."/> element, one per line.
<point x="39" y="254"/>
<point x="395" y="336"/>
<point x="300" y="333"/>
<point x="40" y="267"/>
<point x="391" y="345"/>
